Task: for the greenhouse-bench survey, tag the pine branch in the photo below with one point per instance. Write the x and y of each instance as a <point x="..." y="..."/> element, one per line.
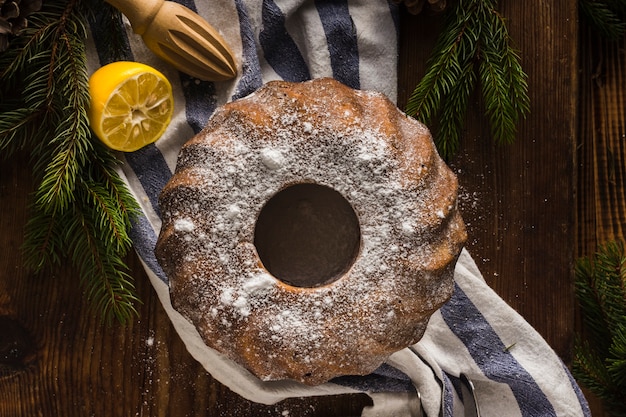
<point x="115" y="205"/>
<point x="616" y="364"/>
<point x="590" y="299"/>
<point x="474" y="39"/>
<point x="72" y="138"/>
<point x="16" y="127"/>
<point x="43" y="246"/>
<point x="600" y="358"/>
<point x="589" y="369"/>
<point x="610" y="283"/>
<point x="517" y="80"/>
<point x="104" y="274"/>
<point x="454" y="111"/>
<point x="81" y="209"/>
<point x="443" y="69"/>
<point x="607" y="17"/>
<point x="502" y="79"/>
<point x="103" y="15"/>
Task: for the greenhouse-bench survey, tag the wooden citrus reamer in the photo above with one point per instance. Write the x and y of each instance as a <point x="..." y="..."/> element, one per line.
<point x="180" y="37"/>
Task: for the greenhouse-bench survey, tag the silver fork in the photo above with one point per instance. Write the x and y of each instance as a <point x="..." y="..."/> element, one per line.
<point x="420" y="412"/>
<point x="470" y="403"/>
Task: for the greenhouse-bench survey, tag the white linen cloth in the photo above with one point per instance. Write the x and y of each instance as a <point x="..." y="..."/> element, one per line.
<point x="476" y="333"/>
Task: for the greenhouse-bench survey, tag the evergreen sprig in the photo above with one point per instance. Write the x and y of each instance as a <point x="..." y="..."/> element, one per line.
<point x="81" y="210"/>
<point x="605" y="16"/>
<point x="473" y="46"/>
<point x="600" y="355"/>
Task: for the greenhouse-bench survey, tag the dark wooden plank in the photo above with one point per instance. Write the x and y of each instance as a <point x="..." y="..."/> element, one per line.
<point x="70" y="364"/>
<point x="601" y="149"/>
<point x="517" y="200"/>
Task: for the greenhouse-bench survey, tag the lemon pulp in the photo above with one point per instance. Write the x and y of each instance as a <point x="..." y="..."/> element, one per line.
<point x="131" y="105"/>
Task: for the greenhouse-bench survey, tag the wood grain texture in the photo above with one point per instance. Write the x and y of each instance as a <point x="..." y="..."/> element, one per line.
<point x="601" y="144"/>
<point x="517" y="200"/>
<point x="72" y="365"/>
<point x="601" y="150"/>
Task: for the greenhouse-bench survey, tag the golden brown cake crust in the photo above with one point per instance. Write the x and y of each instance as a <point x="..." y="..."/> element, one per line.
<point x="317" y="132"/>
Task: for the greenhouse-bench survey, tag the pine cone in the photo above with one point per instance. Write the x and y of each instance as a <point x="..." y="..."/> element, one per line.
<point x="13" y="15"/>
<point x="416" y="6"/>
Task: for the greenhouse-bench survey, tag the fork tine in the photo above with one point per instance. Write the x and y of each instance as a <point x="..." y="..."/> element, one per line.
<point x="470" y="401"/>
<point x="420" y="412"/>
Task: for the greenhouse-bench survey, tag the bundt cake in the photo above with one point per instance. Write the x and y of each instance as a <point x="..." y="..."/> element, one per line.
<point x="309" y="231"/>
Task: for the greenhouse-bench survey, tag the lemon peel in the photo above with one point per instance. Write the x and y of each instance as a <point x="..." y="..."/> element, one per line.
<point x="131" y="105"/>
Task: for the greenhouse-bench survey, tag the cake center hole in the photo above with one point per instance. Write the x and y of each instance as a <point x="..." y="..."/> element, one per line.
<point x="307" y="235"/>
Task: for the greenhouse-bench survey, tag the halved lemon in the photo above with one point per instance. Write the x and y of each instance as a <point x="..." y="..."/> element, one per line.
<point x="131" y="105"/>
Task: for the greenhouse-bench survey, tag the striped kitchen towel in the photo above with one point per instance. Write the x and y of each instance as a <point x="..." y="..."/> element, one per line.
<point x="355" y="42"/>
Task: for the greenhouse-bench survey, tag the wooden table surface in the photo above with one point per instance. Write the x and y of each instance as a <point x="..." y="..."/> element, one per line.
<point x="529" y="208"/>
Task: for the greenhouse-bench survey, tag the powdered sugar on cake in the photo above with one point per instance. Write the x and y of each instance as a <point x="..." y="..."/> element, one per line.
<point x="255" y="148"/>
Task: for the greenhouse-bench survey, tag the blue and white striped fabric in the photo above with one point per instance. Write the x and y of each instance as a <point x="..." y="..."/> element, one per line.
<point x="355" y="41"/>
